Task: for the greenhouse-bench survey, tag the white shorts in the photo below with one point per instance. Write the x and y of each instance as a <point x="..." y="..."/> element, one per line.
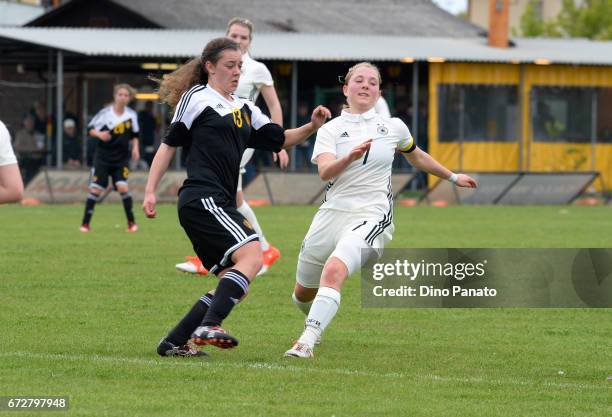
<point x="246" y="157"/>
<point x="351" y="237"/>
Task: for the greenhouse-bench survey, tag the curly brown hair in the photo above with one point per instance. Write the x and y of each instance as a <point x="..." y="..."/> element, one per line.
<point x="173" y="85"/>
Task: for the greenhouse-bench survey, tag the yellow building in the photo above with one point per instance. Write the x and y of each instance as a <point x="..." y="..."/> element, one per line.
<point x="521" y="117"/>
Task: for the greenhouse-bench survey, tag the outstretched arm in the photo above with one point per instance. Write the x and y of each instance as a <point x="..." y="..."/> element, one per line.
<point x="159" y="166"/>
<point x="423" y="161"/>
<point x="300" y="134"/>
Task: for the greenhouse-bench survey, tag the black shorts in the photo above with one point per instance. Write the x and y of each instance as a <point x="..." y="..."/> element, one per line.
<point x="100" y="172"/>
<point x="216" y="232"/>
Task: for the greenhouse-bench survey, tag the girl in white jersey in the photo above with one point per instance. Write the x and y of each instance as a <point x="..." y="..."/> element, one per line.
<point x="11" y="185"/>
<point x="255" y="78"/>
<point x="354" y="152"/>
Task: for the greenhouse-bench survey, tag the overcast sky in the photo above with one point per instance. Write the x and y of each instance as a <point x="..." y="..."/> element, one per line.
<point x="453" y="6"/>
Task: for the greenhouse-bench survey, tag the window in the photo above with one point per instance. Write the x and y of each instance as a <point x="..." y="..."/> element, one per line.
<point x="604" y="115"/>
<point x="562" y="114"/>
<point x="474" y="112"/>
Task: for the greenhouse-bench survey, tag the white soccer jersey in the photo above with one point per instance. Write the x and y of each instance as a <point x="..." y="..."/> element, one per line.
<point x="365" y="185"/>
<point x="7" y="156"/>
<point x="254" y="76"/>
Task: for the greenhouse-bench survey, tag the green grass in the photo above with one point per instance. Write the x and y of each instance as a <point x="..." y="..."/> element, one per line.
<point x="81" y="315"/>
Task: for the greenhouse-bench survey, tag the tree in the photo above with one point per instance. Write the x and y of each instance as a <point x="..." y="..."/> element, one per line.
<point x="590" y="19"/>
<point x="532" y="24"/>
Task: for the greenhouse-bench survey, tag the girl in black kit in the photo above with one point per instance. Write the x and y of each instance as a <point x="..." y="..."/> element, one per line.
<point x="217" y="127"/>
<point x="115" y="126"/>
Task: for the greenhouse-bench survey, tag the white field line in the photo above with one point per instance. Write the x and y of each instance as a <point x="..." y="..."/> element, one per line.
<point x="274" y="367"/>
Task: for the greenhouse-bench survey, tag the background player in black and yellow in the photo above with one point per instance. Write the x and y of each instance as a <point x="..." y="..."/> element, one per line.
<point x="116" y="126"/>
<point x="217" y="126"/>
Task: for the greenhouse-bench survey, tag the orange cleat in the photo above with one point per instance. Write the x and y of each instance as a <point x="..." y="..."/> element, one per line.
<point x="84" y="228"/>
<point x="269" y="257"/>
<point x="192" y="266"/>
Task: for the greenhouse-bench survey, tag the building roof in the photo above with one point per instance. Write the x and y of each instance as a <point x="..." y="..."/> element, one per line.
<point x="180" y="44"/>
<point x="384" y="17"/>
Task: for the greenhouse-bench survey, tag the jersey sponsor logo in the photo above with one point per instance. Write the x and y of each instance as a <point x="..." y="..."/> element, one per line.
<point x="219" y="106"/>
<point x="382" y="130"/>
<point x="344" y="135"/>
<point x="122" y="127"/>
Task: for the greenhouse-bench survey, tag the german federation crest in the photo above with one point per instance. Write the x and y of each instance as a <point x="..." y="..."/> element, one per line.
<point x="382" y="130"/>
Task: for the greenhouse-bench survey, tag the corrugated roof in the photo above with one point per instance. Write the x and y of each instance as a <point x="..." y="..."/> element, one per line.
<point x="160" y="43"/>
<point x="383" y="17"/>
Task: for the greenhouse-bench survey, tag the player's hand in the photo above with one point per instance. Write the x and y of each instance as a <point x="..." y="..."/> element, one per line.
<point x="135" y="154"/>
<point x="148" y="205"/>
<point x="466" y="181"/>
<point x="104" y="136"/>
<point x="359" y="150"/>
<point x="282" y="157"/>
<point x="319" y="115"/>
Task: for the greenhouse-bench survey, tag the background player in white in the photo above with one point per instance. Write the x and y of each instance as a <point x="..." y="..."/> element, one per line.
<point x="354" y="152"/>
<point x="11" y="184"/>
<point x="255" y="78"/>
<point x="116" y="126"/>
<point x="382" y="108"/>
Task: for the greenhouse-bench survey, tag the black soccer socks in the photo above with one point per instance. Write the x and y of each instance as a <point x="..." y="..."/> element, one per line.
<point x="182" y="332"/>
<point x="126" y="198"/>
<point x="92" y="199"/>
<point x="232" y="287"/>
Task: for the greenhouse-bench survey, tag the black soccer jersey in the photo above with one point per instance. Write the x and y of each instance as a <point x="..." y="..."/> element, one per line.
<point x="217" y="132"/>
<point x="123" y="129"/>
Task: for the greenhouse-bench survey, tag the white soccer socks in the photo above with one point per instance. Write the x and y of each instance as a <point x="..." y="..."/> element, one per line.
<point x="249" y="214"/>
<point x="323" y="310"/>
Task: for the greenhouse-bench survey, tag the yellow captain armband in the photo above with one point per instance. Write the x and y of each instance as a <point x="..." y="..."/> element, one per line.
<point x="408" y="148"/>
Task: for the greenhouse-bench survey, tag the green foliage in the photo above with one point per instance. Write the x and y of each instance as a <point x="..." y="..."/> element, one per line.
<point x="592" y="19"/>
<point x="589" y="19"/>
<point x="81" y="315"/>
<point x="533" y="26"/>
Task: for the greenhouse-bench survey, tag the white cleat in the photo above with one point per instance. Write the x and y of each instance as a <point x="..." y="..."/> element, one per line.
<point x="300" y="350"/>
<point x="187" y="267"/>
<point x="263" y="270"/>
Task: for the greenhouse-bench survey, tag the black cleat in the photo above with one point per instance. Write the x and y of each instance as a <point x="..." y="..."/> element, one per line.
<point x="213" y="335"/>
<point x="166" y="348"/>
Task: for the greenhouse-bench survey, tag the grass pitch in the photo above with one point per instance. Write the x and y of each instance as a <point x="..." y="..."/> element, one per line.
<point x="81" y="315"/>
